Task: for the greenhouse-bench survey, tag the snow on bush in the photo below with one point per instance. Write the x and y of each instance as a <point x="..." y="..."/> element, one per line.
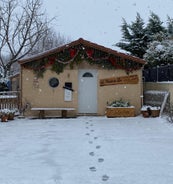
<point x="159" y="52"/>
<point x="119" y="103"/>
<point x="8" y="111"/>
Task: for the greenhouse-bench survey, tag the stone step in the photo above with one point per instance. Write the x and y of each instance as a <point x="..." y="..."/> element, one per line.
<point x="157" y="98"/>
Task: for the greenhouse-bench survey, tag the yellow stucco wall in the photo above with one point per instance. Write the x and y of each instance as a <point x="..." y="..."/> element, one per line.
<point x="38" y="93"/>
<point x="128" y="92"/>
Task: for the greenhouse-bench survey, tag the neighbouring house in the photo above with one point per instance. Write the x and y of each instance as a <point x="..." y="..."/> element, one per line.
<point x="15" y="82"/>
<point x="81" y="75"/>
<point x="159" y="78"/>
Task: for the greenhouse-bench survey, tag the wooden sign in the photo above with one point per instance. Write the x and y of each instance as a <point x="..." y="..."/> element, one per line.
<point x="131" y="79"/>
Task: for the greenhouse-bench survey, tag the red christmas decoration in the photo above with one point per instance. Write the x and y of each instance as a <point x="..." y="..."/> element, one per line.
<point x="51" y="61"/>
<point x="113" y="61"/>
<point x="72" y="53"/>
<point x="90" y="52"/>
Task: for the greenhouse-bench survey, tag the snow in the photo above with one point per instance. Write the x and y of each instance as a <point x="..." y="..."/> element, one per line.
<point x="7" y="96"/>
<point x="86" y="150"/>
<point x="145" y="107"/>
<point x="156" y="92"/>
<point x="120" y="107"/>
<point x="159" y="48"/>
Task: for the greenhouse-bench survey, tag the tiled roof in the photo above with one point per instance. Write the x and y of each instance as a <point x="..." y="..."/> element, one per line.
<point x="85" y="43"/>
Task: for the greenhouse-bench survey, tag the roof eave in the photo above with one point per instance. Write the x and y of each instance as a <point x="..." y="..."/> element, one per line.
<point x="84" y="42"/>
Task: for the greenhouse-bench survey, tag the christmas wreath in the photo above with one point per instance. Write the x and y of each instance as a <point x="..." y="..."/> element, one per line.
<point x="71" y="56"/>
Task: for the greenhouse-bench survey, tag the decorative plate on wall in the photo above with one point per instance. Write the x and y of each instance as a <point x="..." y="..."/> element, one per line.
<point x="54" y="82"/>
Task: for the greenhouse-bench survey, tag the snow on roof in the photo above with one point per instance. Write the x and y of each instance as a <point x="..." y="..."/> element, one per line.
<point x="84" y="42"/>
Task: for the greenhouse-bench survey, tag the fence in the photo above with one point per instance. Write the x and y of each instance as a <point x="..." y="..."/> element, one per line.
<point x="158" y="74"/>
<point x="9" y="100"/>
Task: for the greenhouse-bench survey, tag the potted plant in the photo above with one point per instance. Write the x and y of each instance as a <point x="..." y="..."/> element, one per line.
<point x="11" y="115"/>
<point x="145" y="111"/>
<point x="153" y="111"/>
<point x="4" y="115"/>
<point x="120" y="108"/>
<point x="7" y="114"/>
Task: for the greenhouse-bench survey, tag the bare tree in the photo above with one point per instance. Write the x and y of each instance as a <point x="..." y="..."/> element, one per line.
<point x="50" y="40"/>
<point x="21" y="27"/>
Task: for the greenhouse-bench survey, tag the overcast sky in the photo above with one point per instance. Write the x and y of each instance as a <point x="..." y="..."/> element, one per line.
<point x="99" y="21"/>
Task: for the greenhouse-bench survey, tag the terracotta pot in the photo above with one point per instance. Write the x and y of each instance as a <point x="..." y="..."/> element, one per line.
<point x="11" y="116"/>
<point x="155" y="113"/>
<point x="145" y="114"/>
<point x="4" y="118"/>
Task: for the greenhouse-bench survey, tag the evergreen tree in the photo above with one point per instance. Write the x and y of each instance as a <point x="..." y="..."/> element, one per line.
<point x="159" y="53"/>
<point x="134" y="37"/>
<point x="160" y="50"/>
<point x="170" y="27"/>
<point x="137" y="36"/>
<point x="154" y="27"/>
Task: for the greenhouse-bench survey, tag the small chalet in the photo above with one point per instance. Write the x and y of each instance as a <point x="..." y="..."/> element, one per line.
<point x="81" y="77"/>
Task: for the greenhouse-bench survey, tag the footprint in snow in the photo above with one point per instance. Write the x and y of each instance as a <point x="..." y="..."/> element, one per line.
<point x="92" y="169"/>
<point x="98" y="147"/>
<point x="95" y="137"/>
<point x="105" y="177"/>
<point x="92" y="130"/>
<point x="92" y="153"/>
<point x="87" y="134"/>
<point x="101" y="160"/>
<point x="90" y="142"/>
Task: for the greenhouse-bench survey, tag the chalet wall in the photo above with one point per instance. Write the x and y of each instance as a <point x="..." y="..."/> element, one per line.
<point x="38" y="93"/>
<point x="129" y="92"/>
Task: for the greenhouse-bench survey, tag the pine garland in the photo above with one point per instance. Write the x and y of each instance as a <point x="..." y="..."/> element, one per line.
<point x="76" y="55"/>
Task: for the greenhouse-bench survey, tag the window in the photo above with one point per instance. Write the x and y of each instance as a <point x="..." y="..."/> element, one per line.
<point x="87" y="74"/>
<point x="54" y="82"/>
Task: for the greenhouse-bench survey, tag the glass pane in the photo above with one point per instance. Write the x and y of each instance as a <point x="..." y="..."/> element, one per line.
<point x="87" y="74"/>
<point x="53" y="82"/>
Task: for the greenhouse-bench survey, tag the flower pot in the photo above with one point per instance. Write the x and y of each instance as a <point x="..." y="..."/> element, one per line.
<point x="112" y="112"/>
<point x="11" y="116"/>
<point x="145" y="114"/>
<point x="152" y="111"/>
<point x="4" y="118"/>
<point x="155" y="113"/>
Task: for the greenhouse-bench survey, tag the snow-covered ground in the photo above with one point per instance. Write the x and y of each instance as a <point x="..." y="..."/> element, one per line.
<point x="86" y="150"/>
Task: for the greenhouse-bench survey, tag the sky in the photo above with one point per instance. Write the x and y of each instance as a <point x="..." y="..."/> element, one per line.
<point x="100" y="21"/>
